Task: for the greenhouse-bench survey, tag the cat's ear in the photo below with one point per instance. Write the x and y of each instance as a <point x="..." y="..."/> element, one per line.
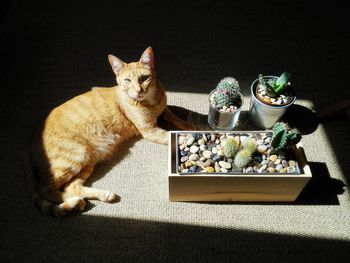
<point x="116" y="63"/>
<point x="148" y="57"/>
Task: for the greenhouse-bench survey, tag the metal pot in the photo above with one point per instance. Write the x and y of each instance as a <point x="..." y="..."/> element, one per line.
<point x="262" y="115"/>
<point x="222" y="120"/>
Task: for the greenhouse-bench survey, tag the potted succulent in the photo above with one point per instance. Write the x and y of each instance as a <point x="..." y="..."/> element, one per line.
<point x="237" y="165"/>
<point x="270" y="98"/>
<point x="225" y="104"/>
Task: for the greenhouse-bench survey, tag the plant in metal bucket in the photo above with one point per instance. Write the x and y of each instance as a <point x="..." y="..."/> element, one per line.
<point x="274" y="87"/>
<point x="225" y="104"/>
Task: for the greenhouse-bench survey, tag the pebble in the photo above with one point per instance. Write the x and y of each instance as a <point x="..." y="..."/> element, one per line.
<point x="220" y="152"/>
<point x="210" y="169"/>
<point x="262" y="148"/>
<point x="186" y="149"/>
<point x="194" y="149"/>
<point x="260" y="142"/>
<point x="279" y="167"/>
<point x="271" y="169"/>
<point x="262" y="168"/>
<point x="263" y="156"/>
<point x="204" y="137"/>
<point x="258" y="158"/>
<point x="249" y="169"/>
<point x="183" y="153"/>
<point x="181" y="140"/>
<point x="182" y="147"/>
<point x="283" y="171"/>
<point x="194" y="157"/>
<point x="225" y="165"/>
<point x="268" y="140"/>
<point x="213" y="138"/>
<point x="278" y="161"/>
<point x="200" y="163"/>
<point x="292" y="163"/>
<point x="188" y="164"/>
<point x="223" y="170"/>
<point x="243" y="139"/>
<point x="208" y="162"/>
<point x="202" y="147"/>
<point x="257" y="167"/>
<point x="214" y="150"/>
<point x="217" y="158"/>
<point x="185" y="170"/>
<point x="217" y="167"/>
<point x="271" y="164"/>
<point x="284" y="163"/>
<point x="193" y="169"/>
<point x="273" y="157"/>
<point x="201" y="142"/>
<point x="291" y="169"/>
<point x="190" y="141"/>
<point x="264" y="162"/>
<point x="207" y="154"/>
<point x="202" y="158"/>
<point x="217" y="141"/>
<point x="184" y="159"/>
<point x="229" y="160"/>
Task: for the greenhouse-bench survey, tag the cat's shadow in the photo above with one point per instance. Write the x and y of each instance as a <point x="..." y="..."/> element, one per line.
<point x="103" y="168"/>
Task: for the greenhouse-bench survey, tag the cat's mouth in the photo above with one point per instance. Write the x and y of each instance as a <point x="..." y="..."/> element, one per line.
<point x="137" y="96"/>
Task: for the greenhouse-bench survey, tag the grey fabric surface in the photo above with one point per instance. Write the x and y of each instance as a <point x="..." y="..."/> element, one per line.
<point x="54" y="50"/>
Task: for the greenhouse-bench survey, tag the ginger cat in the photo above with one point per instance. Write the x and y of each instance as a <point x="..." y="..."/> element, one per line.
<point x="87" y="129"/>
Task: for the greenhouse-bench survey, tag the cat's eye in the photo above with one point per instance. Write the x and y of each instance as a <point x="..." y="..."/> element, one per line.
<point x="127" y="81"/>
<point x="144" y="78"/>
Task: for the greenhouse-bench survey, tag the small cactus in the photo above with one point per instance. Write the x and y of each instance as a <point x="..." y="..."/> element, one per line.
<point x="250" y="145"/>
<point x="242" y="158"/>
<point x="283" y="137"/>
<point x="227" y="92"/>
<point x="230" y="147"/>
<point x="274" y="87"/>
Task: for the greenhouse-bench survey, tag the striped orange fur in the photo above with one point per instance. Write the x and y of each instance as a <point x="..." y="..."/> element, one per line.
<point x="88" y="128"/>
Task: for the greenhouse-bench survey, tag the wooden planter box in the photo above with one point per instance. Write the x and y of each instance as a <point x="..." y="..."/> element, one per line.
<point x="236" y="187"/>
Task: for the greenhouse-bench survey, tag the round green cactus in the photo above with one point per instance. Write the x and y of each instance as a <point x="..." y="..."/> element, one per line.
<point x="250" y="145"/>
<point x="242" y="158"/>
<point x="227" y="92"/>
<point x="230" y="147"/>
<point x="283" y="137"/>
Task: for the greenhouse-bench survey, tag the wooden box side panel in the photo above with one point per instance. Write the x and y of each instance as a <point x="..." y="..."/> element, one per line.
<point x="227" y="188"/>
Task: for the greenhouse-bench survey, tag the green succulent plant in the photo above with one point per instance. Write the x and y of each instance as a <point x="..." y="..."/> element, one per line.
<point x="227" y="92"/>
<point x="283" y="137"/>
<point x="242" y="158"/>
<point x="250" y="145"/>
<point x="275" y="87"/>
<point x="231" y="147"/>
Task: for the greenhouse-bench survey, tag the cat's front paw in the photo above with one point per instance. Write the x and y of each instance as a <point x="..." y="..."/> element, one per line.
<point x="108" y="197"/>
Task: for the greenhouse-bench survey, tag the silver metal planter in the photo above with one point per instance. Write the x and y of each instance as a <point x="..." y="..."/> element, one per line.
<point x="262" y="115"/>
<point x="222" y="120"/>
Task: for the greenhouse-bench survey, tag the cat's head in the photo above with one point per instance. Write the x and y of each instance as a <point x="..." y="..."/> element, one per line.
<point x="137" y="79"/>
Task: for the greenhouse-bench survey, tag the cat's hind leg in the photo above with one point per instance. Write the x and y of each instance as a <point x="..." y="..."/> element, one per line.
<point x="53" y="201"/>
<point x="76" y="187"/>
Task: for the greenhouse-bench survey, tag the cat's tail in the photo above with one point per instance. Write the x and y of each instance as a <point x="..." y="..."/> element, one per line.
<point x="32" y="185"/>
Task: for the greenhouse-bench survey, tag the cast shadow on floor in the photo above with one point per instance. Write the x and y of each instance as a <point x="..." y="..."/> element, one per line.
<point x="296" y="116"/>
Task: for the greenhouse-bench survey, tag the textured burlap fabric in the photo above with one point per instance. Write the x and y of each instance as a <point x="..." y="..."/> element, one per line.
<point x="54" y="50"/>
